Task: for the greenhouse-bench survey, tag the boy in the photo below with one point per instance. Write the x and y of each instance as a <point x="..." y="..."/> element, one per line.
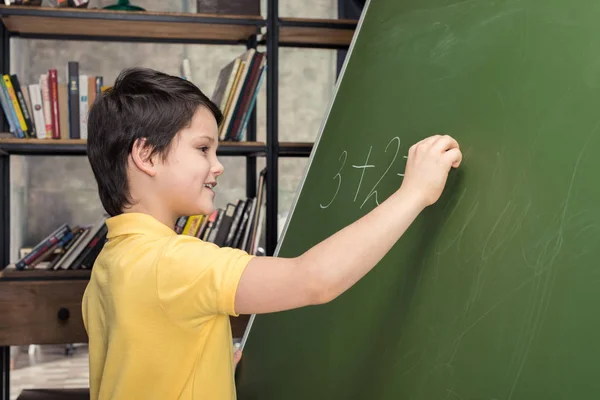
<point x="157" y="306"/>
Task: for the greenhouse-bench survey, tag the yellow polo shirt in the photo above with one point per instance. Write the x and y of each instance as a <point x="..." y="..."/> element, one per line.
<point x="156" y="311"/>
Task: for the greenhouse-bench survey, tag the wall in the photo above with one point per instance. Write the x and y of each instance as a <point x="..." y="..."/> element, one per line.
<point x="47" y="191"/>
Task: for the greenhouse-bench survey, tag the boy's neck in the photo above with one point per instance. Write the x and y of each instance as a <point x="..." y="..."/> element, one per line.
<point x="166" y="218"/>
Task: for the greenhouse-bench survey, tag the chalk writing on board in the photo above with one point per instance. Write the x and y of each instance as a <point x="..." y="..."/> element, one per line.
<point x="399" y="174"/>
<point x="373" y="191"/>
<point x="363" y="167"/>
<point x="338" y="176"/>
<point x="394" y="144"/>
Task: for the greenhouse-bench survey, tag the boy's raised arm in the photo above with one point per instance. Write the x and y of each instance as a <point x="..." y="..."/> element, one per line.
<point x="325" y="271"/>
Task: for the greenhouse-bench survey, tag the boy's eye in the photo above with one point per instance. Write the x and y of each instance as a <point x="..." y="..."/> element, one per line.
<point x="203" y="149"/>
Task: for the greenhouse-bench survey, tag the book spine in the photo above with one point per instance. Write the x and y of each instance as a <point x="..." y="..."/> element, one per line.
<point x="209" y="226"/>
<point x="99" y="84"/>
<point x="46" y="104"/>
<point x="35" y="95"/>
<point x="15" y="103"/>
<point x="83" y="105"/>
<point x="53" y="86"/>
<point x="23" y="105"/>
<point x="90" y="258"/>
<point x="88" y="261"/>
<point x="194" y="223"/>
<point x="239" y="210"/>
<point x="13" y="115"/>
<point x="180" y="224"/>
<point x="7" y="110"/>
<point x="42" y="248"/>
<point x="73" y="89"/>
<point x="73" y="235"/>
<point x="91" y="92"/>
<point x="202" y="227"/>
<point x="246" y="116"/>
<point x="29" y="110"/>
<point x="188" y="224"/>
<point x="213" y="233"/>
<point x="63" y="106"/>
<point x="245" y="95"/>
<point x="225" y="225"/>
<point x="239" y="235"/>
<point x="95" y="240"/>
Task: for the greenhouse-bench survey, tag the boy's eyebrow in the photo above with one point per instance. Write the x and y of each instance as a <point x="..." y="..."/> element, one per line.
<point x="209" y="138"/>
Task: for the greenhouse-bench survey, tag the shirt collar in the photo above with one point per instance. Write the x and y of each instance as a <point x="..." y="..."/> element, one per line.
<point x="136" y="223"/>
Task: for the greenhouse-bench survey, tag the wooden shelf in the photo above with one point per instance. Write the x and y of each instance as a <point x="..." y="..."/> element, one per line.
<point x="78" y="147"/>
<point x="171" y="27"/>
<point x="99" y="24"/>
<point x="11" y="274"/>
<point x="306" y="32"/>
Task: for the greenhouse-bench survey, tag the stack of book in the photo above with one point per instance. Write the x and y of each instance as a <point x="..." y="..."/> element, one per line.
<point x="66" y="248"/>
<point x="236" y="90"/>
<point x="55" y="109"/>
<point x="51" y="108"/>
<point x="238" y="225"/>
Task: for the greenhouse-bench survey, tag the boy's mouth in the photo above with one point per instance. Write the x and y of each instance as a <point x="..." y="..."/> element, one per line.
<point x="210" y="185"/>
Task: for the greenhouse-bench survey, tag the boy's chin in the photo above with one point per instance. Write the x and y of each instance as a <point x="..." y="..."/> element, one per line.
<point x="205" y="210"/>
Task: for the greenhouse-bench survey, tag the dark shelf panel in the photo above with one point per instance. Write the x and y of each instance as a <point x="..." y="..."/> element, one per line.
<point x="289" y="149"/>
<point x="108" y="25"/>
<point x="75" y="147"/>
<point x="241" y="149"/>
<point x="43" y="147"/>
<point x="316" y="33"/>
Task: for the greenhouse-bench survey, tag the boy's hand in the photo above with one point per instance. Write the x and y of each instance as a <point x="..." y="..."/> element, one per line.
<point x="237" y="356"/>
<point x="427" y="167"/>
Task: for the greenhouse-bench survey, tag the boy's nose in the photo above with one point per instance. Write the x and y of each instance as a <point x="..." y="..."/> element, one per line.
<point x="218" y="169"/>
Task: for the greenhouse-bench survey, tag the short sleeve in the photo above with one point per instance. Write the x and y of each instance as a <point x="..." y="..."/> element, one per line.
<point x="197" y="279"/>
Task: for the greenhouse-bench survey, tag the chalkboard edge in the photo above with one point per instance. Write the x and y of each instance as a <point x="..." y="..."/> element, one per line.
<point x="312" y="153"/>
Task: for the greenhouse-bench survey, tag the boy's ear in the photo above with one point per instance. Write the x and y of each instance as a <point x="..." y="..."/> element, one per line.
<point x="141" y="154"/>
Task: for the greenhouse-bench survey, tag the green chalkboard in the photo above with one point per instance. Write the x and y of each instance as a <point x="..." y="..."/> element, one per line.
<point x="494" y="292"/>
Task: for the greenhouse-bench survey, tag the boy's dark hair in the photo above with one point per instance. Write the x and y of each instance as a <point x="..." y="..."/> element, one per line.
<point x="142" y="103"/>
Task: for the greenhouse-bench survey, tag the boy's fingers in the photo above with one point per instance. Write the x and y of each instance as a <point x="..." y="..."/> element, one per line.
<point x="440" y="144"/>
<point x="453" y="157"/>
<point x="445" y="143"/>
<point x="237" y="356"/>
<point x="429" y="141"/>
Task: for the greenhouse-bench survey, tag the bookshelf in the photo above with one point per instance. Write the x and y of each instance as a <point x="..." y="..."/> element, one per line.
<point x="315" y="33"/>
<point x="155" y="27"/>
